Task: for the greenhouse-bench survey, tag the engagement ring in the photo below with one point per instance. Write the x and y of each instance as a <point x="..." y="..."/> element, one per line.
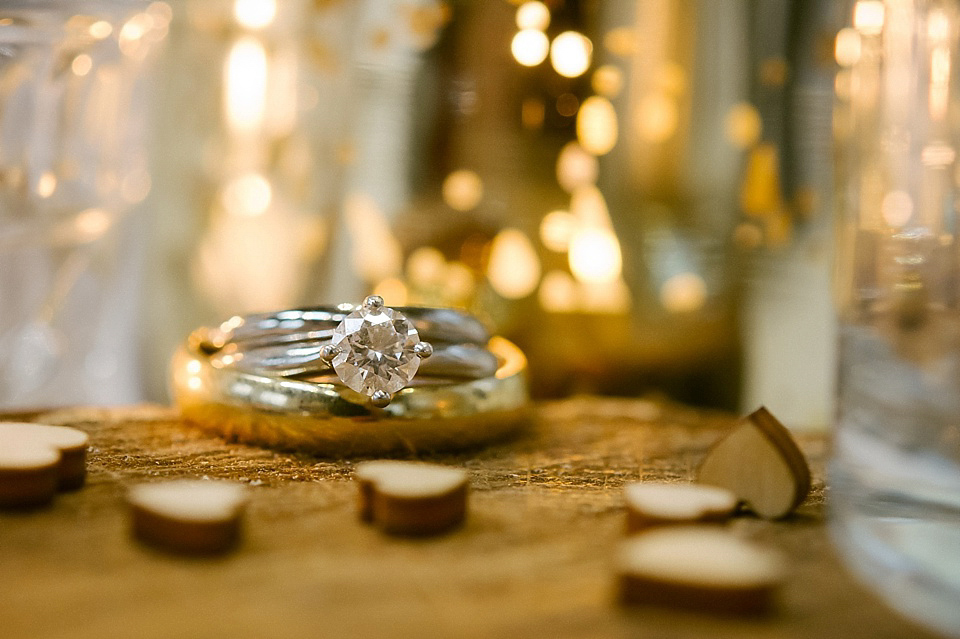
<point x="353" y="380"/>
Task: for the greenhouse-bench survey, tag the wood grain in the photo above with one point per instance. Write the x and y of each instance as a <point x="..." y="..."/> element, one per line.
<point x="533" y="560"/>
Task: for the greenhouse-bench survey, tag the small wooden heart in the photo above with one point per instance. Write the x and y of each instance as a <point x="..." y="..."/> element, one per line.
<point x="760" y="462"/>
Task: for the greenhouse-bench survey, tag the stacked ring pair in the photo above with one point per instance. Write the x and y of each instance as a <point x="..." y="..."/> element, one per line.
<point x="353" y="381"/>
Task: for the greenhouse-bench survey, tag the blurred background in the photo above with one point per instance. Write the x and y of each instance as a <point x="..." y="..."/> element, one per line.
<point x="638" y="192"/>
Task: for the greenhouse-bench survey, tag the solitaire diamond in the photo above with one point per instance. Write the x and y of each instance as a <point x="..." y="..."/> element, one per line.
<point x="375" y="350"/>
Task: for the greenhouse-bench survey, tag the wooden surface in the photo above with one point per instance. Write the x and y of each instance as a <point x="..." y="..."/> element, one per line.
<point x="532" y="561"/>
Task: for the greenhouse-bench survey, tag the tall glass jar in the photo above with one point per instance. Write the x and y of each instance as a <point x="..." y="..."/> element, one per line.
<point x="73" y="165"/>
<point x="895" y="472"/>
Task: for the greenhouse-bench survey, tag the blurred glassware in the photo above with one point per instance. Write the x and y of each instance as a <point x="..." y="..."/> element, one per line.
<point x="895" y="472"/>
<point x="589" y="176"/>
<point x="73" y="100"/>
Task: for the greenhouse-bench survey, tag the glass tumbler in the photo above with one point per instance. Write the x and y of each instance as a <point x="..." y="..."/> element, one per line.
<point x="895" y="472"/>
<point x="72" y="165"/>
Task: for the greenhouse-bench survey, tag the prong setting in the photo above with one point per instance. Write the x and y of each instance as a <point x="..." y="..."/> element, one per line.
<point x="328" y="352"/>
<point x="373" y="303"/>
<point x="380" y="398"/>
<point x="423" y="350"/>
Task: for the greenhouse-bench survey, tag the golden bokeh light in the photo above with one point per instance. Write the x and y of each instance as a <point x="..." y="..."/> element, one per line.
<point x="657" y="118"/>
<point x="570" y="54"/>
<point x="462" y="190"/>
<point x="100" y="29"/>
<point x="426" y="266"/>
<point x="868" y="16"/>
<point x="621" y="41"/>
<point x="747" y="236"/>
<point x="533" y="15"/>
<point x="514" y="268"/>
<point x="896" y="208"/>
<point x="81" y="65"/>
<point x="530" y="47"/>
<point x="47" y="184"/>
<point x="611" y="297"/>
<point x="683" y="293"/>
<point x="532" y="113"/>
<point x="607" y="81"/>
<point x="589" y="207"/>
<point x="847" y="47"/>
<point x="576" y="168"/>
<point x="458" y="282"/>
<point x="245" y="85"/>
<point x="556" y="229"/>
<point x="558" y="292"/>
<point x="254" y="14"/>
<point x="743" y="125"/>
<point x="248" y="195"/>
<point x="597" y="125"/>
<point x="595" y="255"/>
<point x="376" y="254"/>
<point x="393" y="291"/>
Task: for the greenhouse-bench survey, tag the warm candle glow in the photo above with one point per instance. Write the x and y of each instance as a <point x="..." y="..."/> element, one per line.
<point x="246" y="85"/>
<point x="530" y="47"/>
<point x="607" y="81"/>
<point x="514" y="269"/>
<point x="595" y="255"/>
<point x="254" y="14"/>
<point x="847" y="47"/>
<point x="247" y="195"/>
<point x="576" y="168"/>
<point x="597" y="125"/>
<point x="533" y="15"/>
<point x="570" y="54"/>
<point x="556" y="229"/>
<point x="683" y="293"/>
<point x="868" y="16"/>
<point x="657" y="118"/>
<point x="463" y="190"/>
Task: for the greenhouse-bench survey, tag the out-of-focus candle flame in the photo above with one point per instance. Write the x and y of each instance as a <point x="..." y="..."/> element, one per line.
<point x="558" y="293"/>
<point x="81" y="65"/>
<point x="744" y="125"/>
<point x="426" y="267"/>
<point x="254" y="14"/>
<point x="47" y="184"/>
<point x="462" y="190"/>
<point x="683" y="293"/>
<point x="530" y="47"/>
<point x="597" y="125"/>
<point x="868" y="16"/>
<point x="246" y="85"/>
<point x="595" y="255"/>
<point x="100" y="29"/>
<point x="607" y="81"/>
<point x="896" y="208"/>
<point x="514" y="269"/>
<point x="533" y="15"/>
<point x="576" y="168"/>
<point x="657" y="118"/>
<point x="247" y="195"/>
<point x="847" y="47"/>
<point x="556" y="229"/>
<point x="393" y="291"/>
<point x="570" y="54"/>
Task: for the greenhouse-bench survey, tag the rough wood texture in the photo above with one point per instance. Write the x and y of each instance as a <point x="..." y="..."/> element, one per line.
<point x="534" y="559"/>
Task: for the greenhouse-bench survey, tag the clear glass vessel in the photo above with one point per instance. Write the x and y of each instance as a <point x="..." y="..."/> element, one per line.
<point x="895" y="472"/>
<point x="72" y="165"/>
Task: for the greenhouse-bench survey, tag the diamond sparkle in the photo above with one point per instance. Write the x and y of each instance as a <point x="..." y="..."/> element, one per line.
<point x="375" y="350"/>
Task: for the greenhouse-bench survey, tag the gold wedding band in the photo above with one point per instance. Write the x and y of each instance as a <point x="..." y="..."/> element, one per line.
<point x="322" y="416"/>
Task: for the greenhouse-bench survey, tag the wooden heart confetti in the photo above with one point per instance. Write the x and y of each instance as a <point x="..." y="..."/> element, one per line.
<point x="698" y="567"/>
<point x="188" y="515"/>
<point x="69" y="444"/>
<point x="28" y="473"/>
<point x="408" y="498"/>
<point x="761" y="464"/>
<point x="651" y="504"/>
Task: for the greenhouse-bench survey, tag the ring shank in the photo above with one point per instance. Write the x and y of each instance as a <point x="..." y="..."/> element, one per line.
<point x="328" y="419"/>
